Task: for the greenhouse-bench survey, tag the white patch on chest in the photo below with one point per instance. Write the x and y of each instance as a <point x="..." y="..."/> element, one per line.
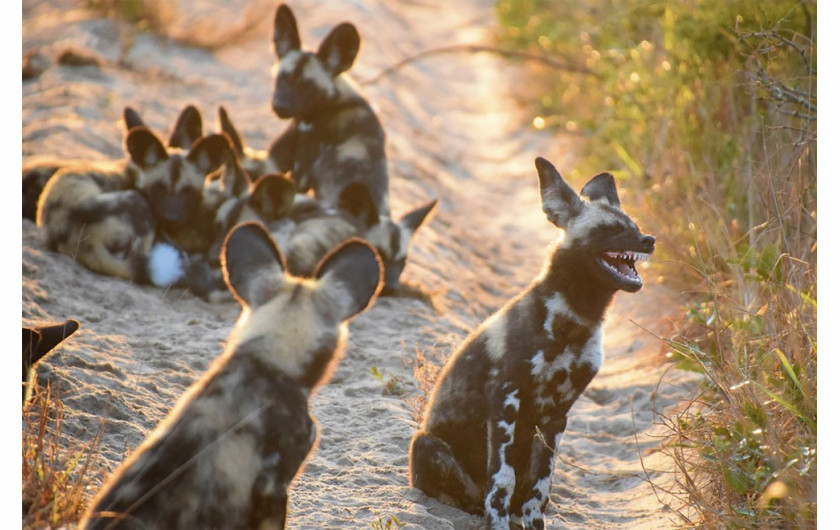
<point x="593" y="352"/>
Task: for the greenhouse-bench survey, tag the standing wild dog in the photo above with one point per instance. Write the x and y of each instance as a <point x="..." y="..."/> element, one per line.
<point x="228" y="452"/>
<point x="334" y="140"/>
<point x="499" y="408"/>
<point x="114" y="217"/>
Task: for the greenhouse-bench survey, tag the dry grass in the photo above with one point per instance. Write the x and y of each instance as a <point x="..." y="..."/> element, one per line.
<point x="426" y="366"/>
<point x="55" y="477"/>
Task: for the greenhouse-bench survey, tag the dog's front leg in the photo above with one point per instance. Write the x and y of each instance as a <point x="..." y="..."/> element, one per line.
<point x="501" y="424"/>
<point x="544" y="443"/>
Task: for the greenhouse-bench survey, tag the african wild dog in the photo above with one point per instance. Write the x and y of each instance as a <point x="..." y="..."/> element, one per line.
<point x="37" y="171"/>
<point x="38" y="341"/>
<point x="499" y="408"/>
<point x="115" y="217"/>
<point x="229" y="450"/>
<point x="316" y="229"/>
<point x="334" y="140"/>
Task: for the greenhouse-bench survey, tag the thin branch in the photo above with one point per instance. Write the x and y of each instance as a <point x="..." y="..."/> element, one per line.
<point x="478" y="48"/>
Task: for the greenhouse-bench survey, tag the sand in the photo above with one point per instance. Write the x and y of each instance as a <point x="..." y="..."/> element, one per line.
<point x="456" y="131"/>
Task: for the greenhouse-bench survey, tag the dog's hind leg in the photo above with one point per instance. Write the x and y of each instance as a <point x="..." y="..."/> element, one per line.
<point x="436" y="472"/>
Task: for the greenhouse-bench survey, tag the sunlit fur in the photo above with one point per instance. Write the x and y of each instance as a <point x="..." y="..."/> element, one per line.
<point x="499" y="407"/>
<point x="226" y="455"/>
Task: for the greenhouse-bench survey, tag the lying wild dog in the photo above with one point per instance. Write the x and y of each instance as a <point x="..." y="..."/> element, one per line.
<point x="228" y="452"/>
<point x="322" y="225"/>
<point x="37" y="172"/>
<point x="317" y="229"/>
<point x="38" y="341"/>
<point x="499" y="408"/>
<point x="110" y="215"/>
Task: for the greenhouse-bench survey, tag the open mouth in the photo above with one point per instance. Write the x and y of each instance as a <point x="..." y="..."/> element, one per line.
<point x="623" y="265"/>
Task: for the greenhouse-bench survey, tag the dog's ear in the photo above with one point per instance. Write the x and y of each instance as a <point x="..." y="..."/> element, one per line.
<point x="252" y="265"/>
<point x="272" y="196"/>
<point x="210" y="152"/>
<point x="560" y="202"/>
<point x="351" y="275"/>
<point x="339" y="49"/>
<point x="144" y="148"/>
<point x="602" y="186"/>
<point x="357" y="200"/>
<point x="132" y="119"/>
<point x="226" y="126"/>
<point x="39" y="341"/>
<point x="188" y="128"/>
<point x="286" y="37"/>
<point x="414" y="219"/>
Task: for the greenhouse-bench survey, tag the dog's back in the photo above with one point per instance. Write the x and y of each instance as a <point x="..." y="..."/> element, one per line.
<point x="227" y="453"/>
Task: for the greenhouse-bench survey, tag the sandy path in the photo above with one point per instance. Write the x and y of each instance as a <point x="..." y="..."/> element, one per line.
<point x="455" y="133"/>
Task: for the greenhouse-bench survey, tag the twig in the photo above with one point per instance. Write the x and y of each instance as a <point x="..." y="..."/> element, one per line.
<point x="478" y="48"/>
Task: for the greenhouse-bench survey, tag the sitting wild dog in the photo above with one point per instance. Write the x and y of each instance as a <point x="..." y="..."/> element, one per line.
<point x="499" y="408"/>
<point x="228" y="452"/>
<point x="110" y="215"/>
<point x="354" y="213"/>
<point x="38" y="341"/>
<point x="318" y="229"/>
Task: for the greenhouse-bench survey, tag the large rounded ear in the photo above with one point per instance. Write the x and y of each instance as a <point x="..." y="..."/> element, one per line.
<point x="226" y="126"/>
<point x="560" y="202"/>
<point x="39" y="341"/>
<point x="188" y="128"/>
<point x="286" y="37"/>
<point x="602" y="186"/>
<point x="272" y="196"/>
<point x="338" y="50"/>
<point x="144" y="147"/>
<point x="210" y="152"/>
<point x="357" y="200"/>
<point x="413" y="219"/>
<point x="132" y="119"/>
<point x="252" y="265"/>
<point x="351" y="275"/>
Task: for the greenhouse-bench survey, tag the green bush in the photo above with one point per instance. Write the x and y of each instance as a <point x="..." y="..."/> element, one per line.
<point x="707" y="110"/>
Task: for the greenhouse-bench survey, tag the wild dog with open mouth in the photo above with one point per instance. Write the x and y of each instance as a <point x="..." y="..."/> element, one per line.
<point x="227" y="453"/>
<point x="499" y="408"/>
<point x="317" y="229"/>
<point x="115" y="217"/>
<point x="38" y="341"/>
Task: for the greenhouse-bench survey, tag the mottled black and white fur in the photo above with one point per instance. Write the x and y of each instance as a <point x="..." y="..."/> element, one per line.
<point x="499" y="408"/>
<point x="227" y="453"/>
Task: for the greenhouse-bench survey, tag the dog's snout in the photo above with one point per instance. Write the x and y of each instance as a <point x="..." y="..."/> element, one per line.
<point x="648" y="242"/>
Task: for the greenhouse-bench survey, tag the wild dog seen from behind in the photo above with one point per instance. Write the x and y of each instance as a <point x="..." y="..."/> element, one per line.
<point x="227" y="453"/>
<point x="499" y="408"/>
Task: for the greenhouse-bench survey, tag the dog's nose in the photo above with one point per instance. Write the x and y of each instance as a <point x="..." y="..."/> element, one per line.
<point x="648" y="242"/>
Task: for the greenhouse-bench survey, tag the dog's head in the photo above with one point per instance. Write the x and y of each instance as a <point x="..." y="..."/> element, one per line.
<point x="605" y="240"/>
<point x="296" y="323"/>
<point x="173" y="180"/>
<point x="304" y="81"/>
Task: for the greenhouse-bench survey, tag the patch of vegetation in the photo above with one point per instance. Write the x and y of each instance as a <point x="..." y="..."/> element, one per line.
<point x="707" y="112"/>
<point x="54" y="477"/>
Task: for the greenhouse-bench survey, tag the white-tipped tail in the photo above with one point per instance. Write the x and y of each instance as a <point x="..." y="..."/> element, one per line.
<point x="166" y="265"/>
